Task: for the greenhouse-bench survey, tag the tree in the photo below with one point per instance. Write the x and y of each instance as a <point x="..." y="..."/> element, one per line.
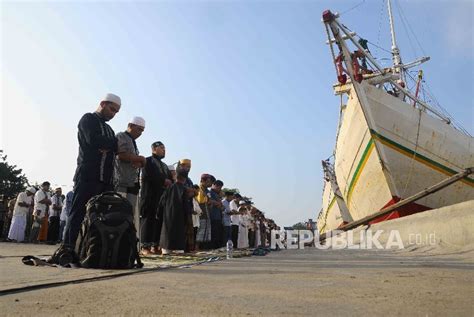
<point x="234" y="190"/>
<point x="299" y="226"/>
<point x="12" y="180"/>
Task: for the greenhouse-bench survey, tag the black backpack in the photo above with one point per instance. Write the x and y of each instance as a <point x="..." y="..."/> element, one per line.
<point x="107" y="239"/>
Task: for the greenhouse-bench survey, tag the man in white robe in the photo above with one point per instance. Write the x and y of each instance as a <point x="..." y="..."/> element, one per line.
<point x="23" y="202"/>
<point x="243" y="239"/>
<point x="235" y="218"/>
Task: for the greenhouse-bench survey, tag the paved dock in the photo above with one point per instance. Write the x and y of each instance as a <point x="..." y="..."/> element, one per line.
<point x="290" y="282"/>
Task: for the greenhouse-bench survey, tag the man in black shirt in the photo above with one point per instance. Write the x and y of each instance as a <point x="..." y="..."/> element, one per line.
<point x="95" y="162"/>
<point x="156" y="177"/>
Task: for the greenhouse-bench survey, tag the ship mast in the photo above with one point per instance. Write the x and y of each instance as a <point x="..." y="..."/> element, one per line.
<point x="397" y="61"/>
<point x="341" y="34"/>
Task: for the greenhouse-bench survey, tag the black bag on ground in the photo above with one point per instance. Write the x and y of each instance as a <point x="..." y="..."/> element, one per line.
<point x="108" y="239"/>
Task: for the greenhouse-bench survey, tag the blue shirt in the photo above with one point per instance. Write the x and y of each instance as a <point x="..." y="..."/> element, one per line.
<point x="216" y="212"/>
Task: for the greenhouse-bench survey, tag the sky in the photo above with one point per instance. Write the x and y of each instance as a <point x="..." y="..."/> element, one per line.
<point x="242" y="88"/>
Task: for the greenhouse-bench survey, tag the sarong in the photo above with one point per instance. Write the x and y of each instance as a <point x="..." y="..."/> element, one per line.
<point x="43" y="233"/>
<point x="17" y="228"/>
<point x="204" y="231"/>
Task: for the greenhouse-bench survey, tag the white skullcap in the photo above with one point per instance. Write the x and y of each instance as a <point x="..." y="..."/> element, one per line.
<point x="138" y="121"/>
<point x="242" y="202"/>
<point x="171" y="168"/>
<point x="113" y="98"/>
<point x="31" y="190"/>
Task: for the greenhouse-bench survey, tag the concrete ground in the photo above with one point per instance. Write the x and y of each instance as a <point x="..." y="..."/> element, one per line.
<point x="297" y="282"/>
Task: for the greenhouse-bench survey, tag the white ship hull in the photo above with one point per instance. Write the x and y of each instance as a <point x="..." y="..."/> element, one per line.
<point x="388" y="150"/>
<point x="330" y="216"/>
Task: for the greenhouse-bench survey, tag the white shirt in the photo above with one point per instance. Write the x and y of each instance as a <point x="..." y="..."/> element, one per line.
<point x="243" y="219"/>
<point x="39" y="196"/>
<point x="197" y="209"/>
<point x="63" y="215"/>
<point x="234" y="219"/>
<point x="22" y="198"/>
<point x="55" y="200"/>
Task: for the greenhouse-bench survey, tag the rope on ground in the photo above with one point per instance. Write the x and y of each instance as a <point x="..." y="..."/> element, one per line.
<point x="99" y="278"/>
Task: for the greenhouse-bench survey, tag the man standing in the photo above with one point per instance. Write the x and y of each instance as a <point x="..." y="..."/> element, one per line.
<point x="3" y="214"/>
<point x="216" y="214"/>
<point x="54" y="212"/>
<point x="203" y="236"/>
<point x="235" y="218"/>
<point x="128" y="164"/>
<point x="23" y="203"/>
<point x="197" y="211"/>
<point x="226" y="216"/>
<point x="42" y="202"/>
<point x="243" y="239"/>
<point x="155" y="179"/>
<point x="185" y="166"/>
<point x="63" y="218"/>
<point x="8" y="216"/>
<point x="251" y="225"/>
<point x="29" y="218"/>
<point x="173" y="208"/>
<point x="95" y="162"/>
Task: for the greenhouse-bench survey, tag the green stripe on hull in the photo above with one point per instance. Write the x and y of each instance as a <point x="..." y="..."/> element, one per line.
<point x="358" y="170"/>
<point x="419" y="156"/>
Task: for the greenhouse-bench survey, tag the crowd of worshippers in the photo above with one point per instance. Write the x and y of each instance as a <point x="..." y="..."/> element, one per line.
<point x="36" y="215"/>
<point x="171" y="214"/>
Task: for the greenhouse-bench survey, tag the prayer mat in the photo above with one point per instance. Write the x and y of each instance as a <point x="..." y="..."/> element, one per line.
<point x="190" y="259"/>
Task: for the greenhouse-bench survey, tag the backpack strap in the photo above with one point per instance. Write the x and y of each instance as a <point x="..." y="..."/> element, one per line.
<point x="120" y="229"/>
<point x="105" y="244"/>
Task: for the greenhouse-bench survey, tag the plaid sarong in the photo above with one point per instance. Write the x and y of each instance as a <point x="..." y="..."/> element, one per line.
<point x="204" y="231"/>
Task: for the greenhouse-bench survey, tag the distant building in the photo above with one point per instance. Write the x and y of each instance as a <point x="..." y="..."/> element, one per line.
<point x="310" y="224"/>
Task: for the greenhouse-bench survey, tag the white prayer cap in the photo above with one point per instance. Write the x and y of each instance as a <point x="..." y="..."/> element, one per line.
<point x="242" y="202"/>
<point x="113" y="98"/>
<point x="31" y="190"/>
<point x="138" y="121"/>
<point x="171" y="168"/>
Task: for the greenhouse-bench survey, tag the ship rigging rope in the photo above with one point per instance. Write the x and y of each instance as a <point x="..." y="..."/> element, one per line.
<point x="436" y="104"/>
<point x="350" y="9"/>
<point x="443" y="110"/>
<point x="339" y="123"/>
<point x="332" y="155"/>
<point x="405" y="27"/>
<point x="426" y="90"/>
<point x="380" y="26"/>
<point x="408" y="27"/>
<point x="412" y="163"/>
<point x="371" y="43"/>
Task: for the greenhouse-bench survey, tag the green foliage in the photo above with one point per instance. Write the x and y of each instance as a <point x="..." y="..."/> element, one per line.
<point x="234" y="190"/>
<point x="12" y="180"/>
<point x="299" y="226"/>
